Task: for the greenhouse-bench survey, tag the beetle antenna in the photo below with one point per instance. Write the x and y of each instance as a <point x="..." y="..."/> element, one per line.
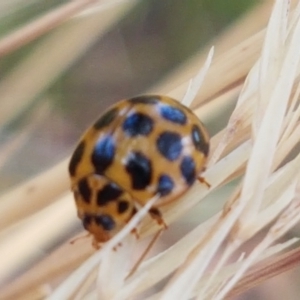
<point x="146" y="251"/>
<point x="73" y="241"/>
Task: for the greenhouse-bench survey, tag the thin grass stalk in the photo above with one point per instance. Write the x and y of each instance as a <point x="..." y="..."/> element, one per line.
<point x="274" y="191"/>
<point x="265" y="270"/>
<point x="41" y="26"/>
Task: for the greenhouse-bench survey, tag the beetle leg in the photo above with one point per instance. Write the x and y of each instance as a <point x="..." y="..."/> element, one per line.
<point x="203" y="181"/>
<point x="157" y="216"/>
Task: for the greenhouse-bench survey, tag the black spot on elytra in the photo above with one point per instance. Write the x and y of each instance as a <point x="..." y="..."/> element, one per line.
<point x="86" y="221"/>
<point x="76" y="158"/>
<point x="138" y="124"/>
<point x="165" y="185"/>
<point x="169" y="145"/>
<point x="199" y="140"/>
<point x="188" y="170"/>
<point x="103" y="154"/>
<point x="110" y="192"/>
<point x="173" y="114"/>
<point x="145" y="99"/>
<point x="105" y="221"/>
<point x="106" y="119"/>
<point x="122" y="206"/>
<point x="139" y="168"/>
<point x="84" y="190"/>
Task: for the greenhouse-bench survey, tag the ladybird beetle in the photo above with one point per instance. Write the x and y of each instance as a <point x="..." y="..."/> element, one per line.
<point x="139" y="148"/>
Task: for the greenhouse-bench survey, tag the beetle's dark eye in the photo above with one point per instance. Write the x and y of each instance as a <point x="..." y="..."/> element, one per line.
<point x="105" y="221"/>
<point x="86" y="221"/>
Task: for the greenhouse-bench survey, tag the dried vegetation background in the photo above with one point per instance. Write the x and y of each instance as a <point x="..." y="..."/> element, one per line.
<point x="63" y="62"/>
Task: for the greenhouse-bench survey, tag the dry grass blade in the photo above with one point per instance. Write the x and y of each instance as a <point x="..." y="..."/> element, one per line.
<point x="209" y="288"/>
<point x="202" y="264"/>
<point x="30" y="32"/>
<point x="265" y="270"/>
<point x="288" y="219"/>
<point x="270" y="131"/>
<point x="221" y="77"/>
<point x="53" y="266"/>
<point x="17" y="252"/>
<point x="196" y="82"/>
<point x="36" y="194"/>
<point x="15" y="142"/>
